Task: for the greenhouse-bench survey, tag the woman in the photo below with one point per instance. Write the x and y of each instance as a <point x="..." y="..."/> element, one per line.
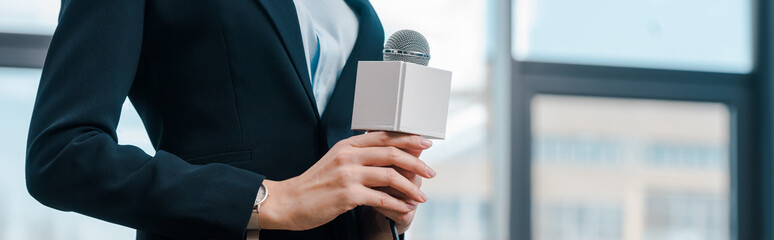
<point x="239" y="97"/>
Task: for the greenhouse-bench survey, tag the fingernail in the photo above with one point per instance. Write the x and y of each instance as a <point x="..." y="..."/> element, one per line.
<point x="430" y="172"/>
<point x="423" y="195"/>
<point x="426" y="143"/>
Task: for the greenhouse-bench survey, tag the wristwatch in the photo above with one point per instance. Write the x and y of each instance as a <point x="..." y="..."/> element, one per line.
<point x="263" y="193"/>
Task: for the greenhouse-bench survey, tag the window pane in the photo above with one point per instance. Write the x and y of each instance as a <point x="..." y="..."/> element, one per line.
<point x="703" y="35"/>
<point x="29" y="16"/>
<point x="606" y="168"/>
<point x="458" y="207"/>
<point x="456" y="34"/>
<point x="21" y="217"/>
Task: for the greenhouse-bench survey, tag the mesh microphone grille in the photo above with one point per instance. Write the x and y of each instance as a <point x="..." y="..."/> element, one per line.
<point x="407" y="40"/>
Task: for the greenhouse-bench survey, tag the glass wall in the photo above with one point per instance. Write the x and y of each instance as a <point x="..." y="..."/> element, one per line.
<point x="461" y="196"/>
<point x="613" y="168"/>
<point x="631" y="168"/>
<point x="29" y="16"/>
<point x="702" y="35"/>
<point x="21" y="216"/>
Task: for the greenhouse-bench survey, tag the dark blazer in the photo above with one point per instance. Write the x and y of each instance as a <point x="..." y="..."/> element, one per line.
<point x="223" y="89"/>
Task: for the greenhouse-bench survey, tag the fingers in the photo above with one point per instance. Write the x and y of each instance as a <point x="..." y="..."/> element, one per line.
<point x="415" y="179"/>
<point x="389" y="177"/>
<point x="414" y="152"/>
<point x="378" y="199"/>
<point x="401" y="219"/>
<point x="391" y="156"/>
<point x="381" y="139"/>
<point x="394" y="193"/>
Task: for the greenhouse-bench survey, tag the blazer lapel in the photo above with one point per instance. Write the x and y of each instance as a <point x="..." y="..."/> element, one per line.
<point x="285" y="19"/>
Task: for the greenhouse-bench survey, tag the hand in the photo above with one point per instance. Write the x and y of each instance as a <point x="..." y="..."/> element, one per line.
<point x="344" y="178"/>
<point x="379" y="228"/>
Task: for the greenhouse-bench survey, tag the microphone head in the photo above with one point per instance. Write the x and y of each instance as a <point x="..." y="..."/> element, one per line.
<point x="407" y="46"/>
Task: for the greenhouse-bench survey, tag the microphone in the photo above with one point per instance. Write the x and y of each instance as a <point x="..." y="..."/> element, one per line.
<point x="407" y="46"/>
<point x="402" y="94"/>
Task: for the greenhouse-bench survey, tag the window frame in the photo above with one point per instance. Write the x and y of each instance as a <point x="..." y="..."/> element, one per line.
<point x="745" y="95"/>
<point x="23" y="50"/>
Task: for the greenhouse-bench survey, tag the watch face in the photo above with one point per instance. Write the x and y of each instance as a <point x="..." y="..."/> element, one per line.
<point x="261" y="195"/>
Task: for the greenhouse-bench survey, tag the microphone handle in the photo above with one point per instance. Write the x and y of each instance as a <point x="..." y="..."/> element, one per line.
<point x="394" y="229"/>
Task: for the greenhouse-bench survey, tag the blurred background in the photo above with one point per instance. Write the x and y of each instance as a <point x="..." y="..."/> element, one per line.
<point x="569" y="120"/>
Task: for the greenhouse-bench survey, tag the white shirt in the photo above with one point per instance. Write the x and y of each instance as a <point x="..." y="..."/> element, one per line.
<point x="329" y="30"/>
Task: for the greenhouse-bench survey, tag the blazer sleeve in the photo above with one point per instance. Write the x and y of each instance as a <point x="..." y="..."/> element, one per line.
<point x="74" y="162"/>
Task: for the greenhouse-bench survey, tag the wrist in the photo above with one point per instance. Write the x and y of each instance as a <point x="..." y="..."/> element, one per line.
<point x="268" y="215"/>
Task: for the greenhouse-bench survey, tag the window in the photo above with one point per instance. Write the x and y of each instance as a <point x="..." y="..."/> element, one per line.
<point x="614" y="168"/>
<point x="578" y="220"/>
<point x="686" y="215"/>
<point x="21" y="217"/>
<point x="631" y="105"/>
<point x="458" y="207"/>
<point x="701" y="35"/>
<point x="29" y="16"/>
